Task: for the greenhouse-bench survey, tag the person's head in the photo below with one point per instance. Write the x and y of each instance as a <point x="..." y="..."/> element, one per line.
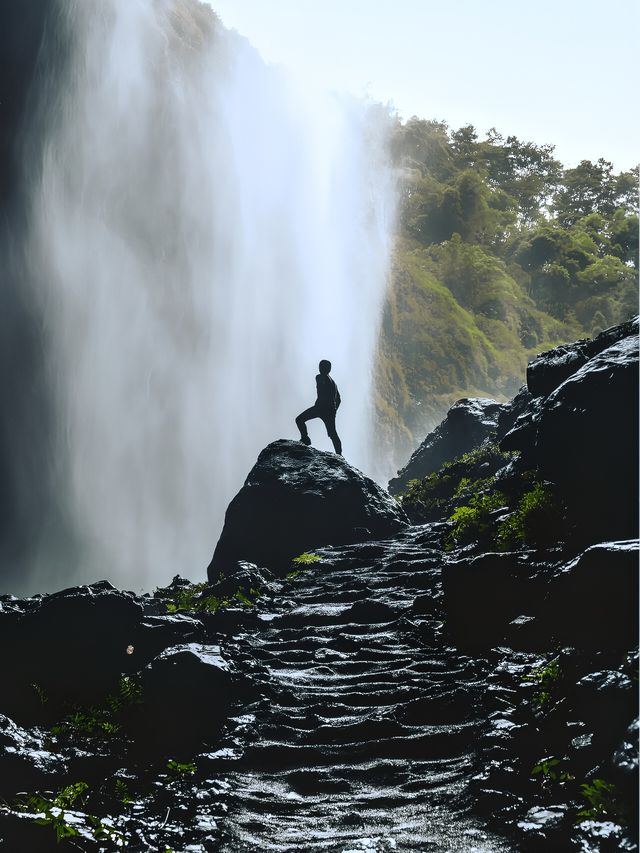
<point x="324" y="366"/>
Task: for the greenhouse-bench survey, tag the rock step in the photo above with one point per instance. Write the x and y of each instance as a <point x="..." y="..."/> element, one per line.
<point x="427" y="743"/>
<point x="366" y="721"/>
<point x="361" y="731"/>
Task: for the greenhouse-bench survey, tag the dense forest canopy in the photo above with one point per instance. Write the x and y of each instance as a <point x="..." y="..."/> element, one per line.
<point x="501" y="252"/>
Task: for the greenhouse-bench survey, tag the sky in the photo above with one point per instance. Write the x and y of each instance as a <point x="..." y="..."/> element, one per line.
<point x="563" y="72"/>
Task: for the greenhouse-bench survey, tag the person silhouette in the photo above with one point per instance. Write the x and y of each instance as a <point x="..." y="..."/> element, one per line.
<point x="325" y="407"/>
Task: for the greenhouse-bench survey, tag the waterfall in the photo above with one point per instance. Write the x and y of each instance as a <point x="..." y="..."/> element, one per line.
<point x="203" y="231"/>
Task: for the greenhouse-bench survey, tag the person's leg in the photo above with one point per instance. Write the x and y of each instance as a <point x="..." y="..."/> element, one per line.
<point x="301" y="423"/>
<point x="330" y="423"/>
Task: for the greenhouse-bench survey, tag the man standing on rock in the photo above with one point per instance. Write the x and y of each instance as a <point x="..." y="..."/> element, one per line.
<point x="325" y="407"/>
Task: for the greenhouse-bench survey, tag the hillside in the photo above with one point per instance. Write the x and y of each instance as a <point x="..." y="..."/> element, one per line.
<point x="500" y="253"/>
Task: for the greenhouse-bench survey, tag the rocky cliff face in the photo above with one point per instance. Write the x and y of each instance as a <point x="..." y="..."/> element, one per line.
<point x="465" y="681"/>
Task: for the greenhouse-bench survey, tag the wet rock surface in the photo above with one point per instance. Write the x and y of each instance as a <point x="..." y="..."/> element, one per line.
<point x="367" y="724"/>
<point x="550" y="369"/>
<point x="297" y="498"/>
<point x="466" y="425"/>
<point x="358" y="723"/>
<point x="398" y="689"/>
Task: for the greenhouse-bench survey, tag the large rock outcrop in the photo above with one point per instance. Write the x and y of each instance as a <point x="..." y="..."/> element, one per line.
<point x="72" y="644"/>
<point x="550" y="369"/>
<point x="467" y="424"/>
<point x="296" y="498"/>
<point x="583" y="436"/>
<point x="589" y="602"/>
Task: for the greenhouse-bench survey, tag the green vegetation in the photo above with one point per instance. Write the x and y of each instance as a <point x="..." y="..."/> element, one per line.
<point x="464" y="491"/>
<point x="104" y="719"/>
<point x="603" y="801"/>
<point x="549" y="771"/>
<point x="196" y="598"/>
<point x="52" y="811"/>
<point x="178" y="769"/>
<point x="546" y="679"/>
<point x="534" y="522"/>
<point x="500" y="254"/>
<point x="121" y="790"/>
<point x="306" y="559"/>
<point x="471" y="521"/>
<point x="438" y="493"/>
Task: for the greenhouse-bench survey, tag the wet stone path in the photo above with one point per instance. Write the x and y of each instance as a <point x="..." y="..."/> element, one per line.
<point x="362" y="732"/>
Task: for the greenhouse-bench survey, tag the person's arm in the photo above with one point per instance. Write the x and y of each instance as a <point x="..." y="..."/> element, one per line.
<point x="338" y="400"/>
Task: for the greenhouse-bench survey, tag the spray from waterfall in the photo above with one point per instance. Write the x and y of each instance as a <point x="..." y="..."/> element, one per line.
<point x="202" y="233"/>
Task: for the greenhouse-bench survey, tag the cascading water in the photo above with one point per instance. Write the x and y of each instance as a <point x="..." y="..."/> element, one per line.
<point x="203" y="231"/>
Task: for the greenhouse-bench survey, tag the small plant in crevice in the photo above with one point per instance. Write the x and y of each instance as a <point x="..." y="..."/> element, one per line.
<point x="195" y="598"/>
<point x="603" y="801"/>
<point x="121" y="792"/>
<point x="549" y="770"/>
<point x="306" y="559"/>
<point x="179" y="769"/>
<point x="54" y="811"/>
<point x="106" y="718"/>
<point x="546" y="679"/>
<point x="50" y="811"/>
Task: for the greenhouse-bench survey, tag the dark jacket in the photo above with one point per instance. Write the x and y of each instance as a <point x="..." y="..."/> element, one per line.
<point x="328" y="394"/>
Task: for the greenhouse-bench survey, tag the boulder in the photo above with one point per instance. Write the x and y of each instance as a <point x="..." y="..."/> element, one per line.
<point x="72" y="645"/>
<point x="587" y="441"/>
<point x="589" y="602"/>
<point x="297" y="498"/>
<point x="593" y="599"/>
<point x="467" y="424"/>
<point x="524" y="429"/>
<point x="157" y="633"/>
<point x="583" y="438"/>
<point x="483" y="596"/>
<point x="186" y="693"/>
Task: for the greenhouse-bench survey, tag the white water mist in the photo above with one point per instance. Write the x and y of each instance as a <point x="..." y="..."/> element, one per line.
<point x="204" y="232"/>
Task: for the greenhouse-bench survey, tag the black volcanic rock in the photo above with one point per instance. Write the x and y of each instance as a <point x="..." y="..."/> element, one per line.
<point x="25" y="762"/>
<point x="589" y="602"/>
<point x="511" y="412"/>
<point x="550" y="369"/>
<point x="467" y="424"/>
<point x="587" y="441"/>
<point x="72" y="644"/>
<point x="483" y="595"/>
<point x="296" y="498"/>
<point x="593" y="601"/>
<point x="187" y="691"/>
<point x="583" y="436"/>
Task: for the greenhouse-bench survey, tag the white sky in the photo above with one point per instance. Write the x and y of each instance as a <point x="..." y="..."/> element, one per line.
<point x="558" y="71"/>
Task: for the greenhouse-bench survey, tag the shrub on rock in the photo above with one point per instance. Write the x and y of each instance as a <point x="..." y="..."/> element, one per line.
<point x="467" y="424"/>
